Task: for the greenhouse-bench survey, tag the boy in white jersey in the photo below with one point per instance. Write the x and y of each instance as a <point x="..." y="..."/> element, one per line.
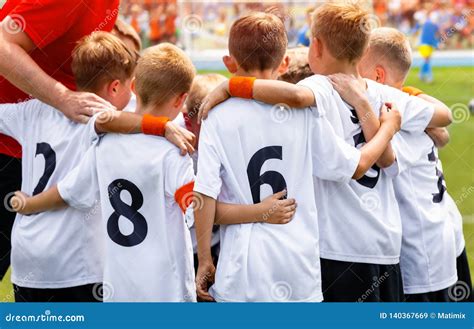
<point x="360" y="222"/>
<point x="148" y="253"/>
<point x="246" y="151"/>
<point x="57" y="256"/>
<point x="429" y="216"/>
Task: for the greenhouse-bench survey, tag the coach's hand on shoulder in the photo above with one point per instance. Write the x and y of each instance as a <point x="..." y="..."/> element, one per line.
<point x="205" y="279"/>
<point x="80" y="106"/>
<point x="217" y="96"/>
<point x="181" y="137"/>
<point x="278" y="211"/>
<point x="19" y="203"/>
<point x="390" y="117"/>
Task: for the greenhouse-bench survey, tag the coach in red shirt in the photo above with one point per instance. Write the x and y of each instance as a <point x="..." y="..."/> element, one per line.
<point x="36" y="41"/>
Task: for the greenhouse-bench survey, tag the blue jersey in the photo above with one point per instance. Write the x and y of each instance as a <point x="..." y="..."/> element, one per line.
<point x="428" y="34"/>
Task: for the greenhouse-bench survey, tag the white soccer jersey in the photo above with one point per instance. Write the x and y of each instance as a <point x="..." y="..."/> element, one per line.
<point x="247" y="151"/>
<point x="360" y="220"/>
<point x="428" y="255"/>
<point x="148" y="246"/>
<point x="54" y="249"/>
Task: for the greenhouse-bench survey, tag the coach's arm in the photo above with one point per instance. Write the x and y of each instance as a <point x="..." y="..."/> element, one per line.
<point x="17" y="66"/>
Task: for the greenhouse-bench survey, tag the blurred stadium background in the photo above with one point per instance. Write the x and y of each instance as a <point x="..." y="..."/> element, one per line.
<point x="201" y="28"/>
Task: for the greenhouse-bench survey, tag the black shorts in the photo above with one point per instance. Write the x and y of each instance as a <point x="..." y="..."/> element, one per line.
<point x="462" y="290"/>
<point x="85" y="293"/>
<point x="440" y="296"/>
<point x="10" y="181"/>
<point x="360" y="282"/>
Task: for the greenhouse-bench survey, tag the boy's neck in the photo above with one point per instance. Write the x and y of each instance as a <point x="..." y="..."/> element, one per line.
<point x="155" y="110"/>
<point x="267" y="74"/>
<point x="345" y="67"/>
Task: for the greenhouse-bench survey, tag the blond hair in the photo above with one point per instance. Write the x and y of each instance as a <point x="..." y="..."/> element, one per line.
<point x="100" y="58"/>
<point x="392" y="47"/>
<point x="164" y="71"/>
<point x="344" y="29"/>
<point x="299" y="65"/>
<point x="202" y="85"/>
<point x="258" y="41"/>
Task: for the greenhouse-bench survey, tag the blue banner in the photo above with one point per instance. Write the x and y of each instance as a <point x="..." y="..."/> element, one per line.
<point x="220" y="316"/>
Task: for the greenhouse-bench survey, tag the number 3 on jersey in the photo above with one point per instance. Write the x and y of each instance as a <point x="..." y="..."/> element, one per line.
<point x="272" y="178"/>
<point x="140" y="226"/>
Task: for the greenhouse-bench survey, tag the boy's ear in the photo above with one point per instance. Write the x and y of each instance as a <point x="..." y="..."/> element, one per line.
<point x="285" y="64"/>
<point x="230" y="63"/>
<point x="180" y="100"/>
<point x="113" y="87"/>
<point x="380" y="75"/>
<point x="133" y="85"/>
<point x="317" y="47"/>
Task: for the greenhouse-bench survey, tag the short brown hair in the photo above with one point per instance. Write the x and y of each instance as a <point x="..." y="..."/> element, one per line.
<point x="299" y="65"/>
<point x="343" y="28"/>
<point x="392" y="47"/>
<point x="99" y="58"/>
<point x="202" y="85"/>
<point x="258" y="41"/>
<point x="124" y="30"/>
<point x="162" y="72"/>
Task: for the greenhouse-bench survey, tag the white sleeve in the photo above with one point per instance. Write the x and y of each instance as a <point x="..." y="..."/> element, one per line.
<point x="13" y="118"/>
<point x="409" y="148"/>
<point x="208" y="180"/>
<point x="179" y="172"/>
<point x="80" y="188"/>
<point x="333" y="158"/>
<point x="416" y="115"/>
<point x="416" y="112"/>
<point x="318" y="86"/>
<point x="90" y="135"/>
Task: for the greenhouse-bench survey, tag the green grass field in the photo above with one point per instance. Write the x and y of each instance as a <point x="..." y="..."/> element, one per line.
<point x="453" y="86"/>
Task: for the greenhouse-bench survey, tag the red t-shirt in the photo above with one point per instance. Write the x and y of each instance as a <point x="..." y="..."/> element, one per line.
<point x="55" y="26"/>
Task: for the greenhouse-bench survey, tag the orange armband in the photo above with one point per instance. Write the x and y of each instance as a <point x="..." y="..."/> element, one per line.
<point x="413" y="91"/>
<point x="241" y="87"/>
<point x="152" y="125"/>
<point x="184" y="196"/>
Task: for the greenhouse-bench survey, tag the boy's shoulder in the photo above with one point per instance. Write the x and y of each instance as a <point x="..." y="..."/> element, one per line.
<point x="316" y="80"/>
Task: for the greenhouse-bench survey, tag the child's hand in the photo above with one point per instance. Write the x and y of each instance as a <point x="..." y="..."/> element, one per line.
<point x="390" y="117"/>
<point x="204" y="279"/>
<point x="217" y="96"/>
<point x="19" y="203"/>
<point x="182" y="138"/>
<point x="278" y="211"/>
<point x="349" y="88"/>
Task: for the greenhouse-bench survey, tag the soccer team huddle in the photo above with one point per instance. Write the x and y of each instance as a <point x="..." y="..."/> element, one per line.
<point x="311" y="174"/>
